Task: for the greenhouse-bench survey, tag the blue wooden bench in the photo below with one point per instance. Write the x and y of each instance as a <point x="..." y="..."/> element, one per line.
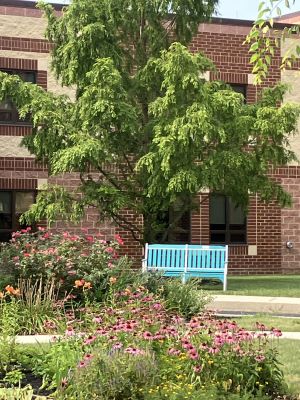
<point x="187" y="261"/>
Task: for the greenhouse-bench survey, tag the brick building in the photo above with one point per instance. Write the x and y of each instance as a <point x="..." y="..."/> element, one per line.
<point x="257" y="241"/>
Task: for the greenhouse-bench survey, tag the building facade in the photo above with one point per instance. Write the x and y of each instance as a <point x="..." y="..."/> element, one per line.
<point x="257" y="242"/>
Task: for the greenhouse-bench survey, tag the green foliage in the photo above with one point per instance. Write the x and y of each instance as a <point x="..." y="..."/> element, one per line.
<point x="117" y="375"/>
<point x="264" y="40"/>
<point x="145" y="129"/>
<point x="25" y="393"/>
<point x="185" y="299"/>
<point x="8" y="329"/>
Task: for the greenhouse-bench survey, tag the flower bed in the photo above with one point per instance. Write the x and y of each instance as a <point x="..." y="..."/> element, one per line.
<point x="125" y="335"/>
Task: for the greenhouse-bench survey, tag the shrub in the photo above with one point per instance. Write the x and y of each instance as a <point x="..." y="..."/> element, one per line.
<point x="186" y="299"/>
<point x="87" y="260"/>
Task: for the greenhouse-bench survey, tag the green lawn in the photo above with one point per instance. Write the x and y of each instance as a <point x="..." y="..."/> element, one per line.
<point x="289" y="356"/>
<point x="266" y="285"/>
<point x="285" y="324"/>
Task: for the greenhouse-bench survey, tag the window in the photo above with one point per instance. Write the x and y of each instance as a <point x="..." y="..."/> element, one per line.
<point x="13" y="204"/>
<point x="227" y="221"/>
<point x="240" y="89"/>
<point x="180" y="232"/>
<point x="8" y="112"/>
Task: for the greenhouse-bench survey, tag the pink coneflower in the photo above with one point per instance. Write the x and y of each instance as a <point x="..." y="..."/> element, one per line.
<point x="101" y="331"/>
<point x="50" y="325"/>
<point x="88" y="357"/>
<point x="260" y="326"/>
<point x="260" y="358"/>
<point x="213" y="350"/>
<point x="157" y="306"/>
<point x="276" y="332"/>
<point x="117" y="345"/>
<point x="134" y="351"/>
<point x="147" y="335"/>
<point x="193" y="354"/>
<point x="82" y="364"/>
<point x="70" y="331"/>
<point x="64" y="382"/>
<point x="90" y="339"/>
<point x="97" y="319"/>
<point x="198" y="368"/>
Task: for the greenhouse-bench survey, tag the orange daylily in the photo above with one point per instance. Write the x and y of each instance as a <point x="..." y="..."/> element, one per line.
<point x="87" y="285"/>
<point x="79" y="283"/>
<point x="11" y="290"/>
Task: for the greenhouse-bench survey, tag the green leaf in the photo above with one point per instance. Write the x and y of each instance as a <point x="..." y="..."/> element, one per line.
<point x="253" y="47"/>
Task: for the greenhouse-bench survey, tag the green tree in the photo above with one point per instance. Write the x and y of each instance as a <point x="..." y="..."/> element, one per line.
<point x="146" y="130"/>
<point x="265" y="39"/>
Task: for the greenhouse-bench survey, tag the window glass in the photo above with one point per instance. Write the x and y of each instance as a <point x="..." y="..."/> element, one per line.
<point x="23" y="201"/>
<point x="218" y="210"/>
<point x="5" y="210"/>
<point x="8" y="112"/>
<point x="6" y="108"/>
<point x="12" y="205"/>
<point x="240" y="89"/>
<point x="236" y="214"/>
<point x="227" y="221"/>
<point x="180" y="232"/>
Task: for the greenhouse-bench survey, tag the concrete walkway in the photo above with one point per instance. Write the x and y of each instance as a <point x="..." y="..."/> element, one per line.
<point x="46" y="339"/>
<point x="256" y="304"/>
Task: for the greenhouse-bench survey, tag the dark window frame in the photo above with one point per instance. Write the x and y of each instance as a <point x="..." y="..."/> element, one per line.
<point x="14" y="215"/>
<point x="227" y="231"/>
<point x="15" y="119"/>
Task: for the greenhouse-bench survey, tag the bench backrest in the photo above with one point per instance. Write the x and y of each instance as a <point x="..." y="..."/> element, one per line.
<point x="180" y="257"/>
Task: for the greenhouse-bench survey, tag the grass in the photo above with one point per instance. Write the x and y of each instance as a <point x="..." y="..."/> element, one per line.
<point x="289" y="356"/>
<point x="259" y="285"/>
<point x="285" y="324"/>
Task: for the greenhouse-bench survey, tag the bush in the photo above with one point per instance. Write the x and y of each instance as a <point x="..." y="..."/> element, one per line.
<point x="186" y="299"/>
<point x="87" y="260"/>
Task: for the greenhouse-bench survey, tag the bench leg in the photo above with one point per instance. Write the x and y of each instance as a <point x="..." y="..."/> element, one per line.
<point x="225" y="284"/>
<point x="183" y="279"/>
